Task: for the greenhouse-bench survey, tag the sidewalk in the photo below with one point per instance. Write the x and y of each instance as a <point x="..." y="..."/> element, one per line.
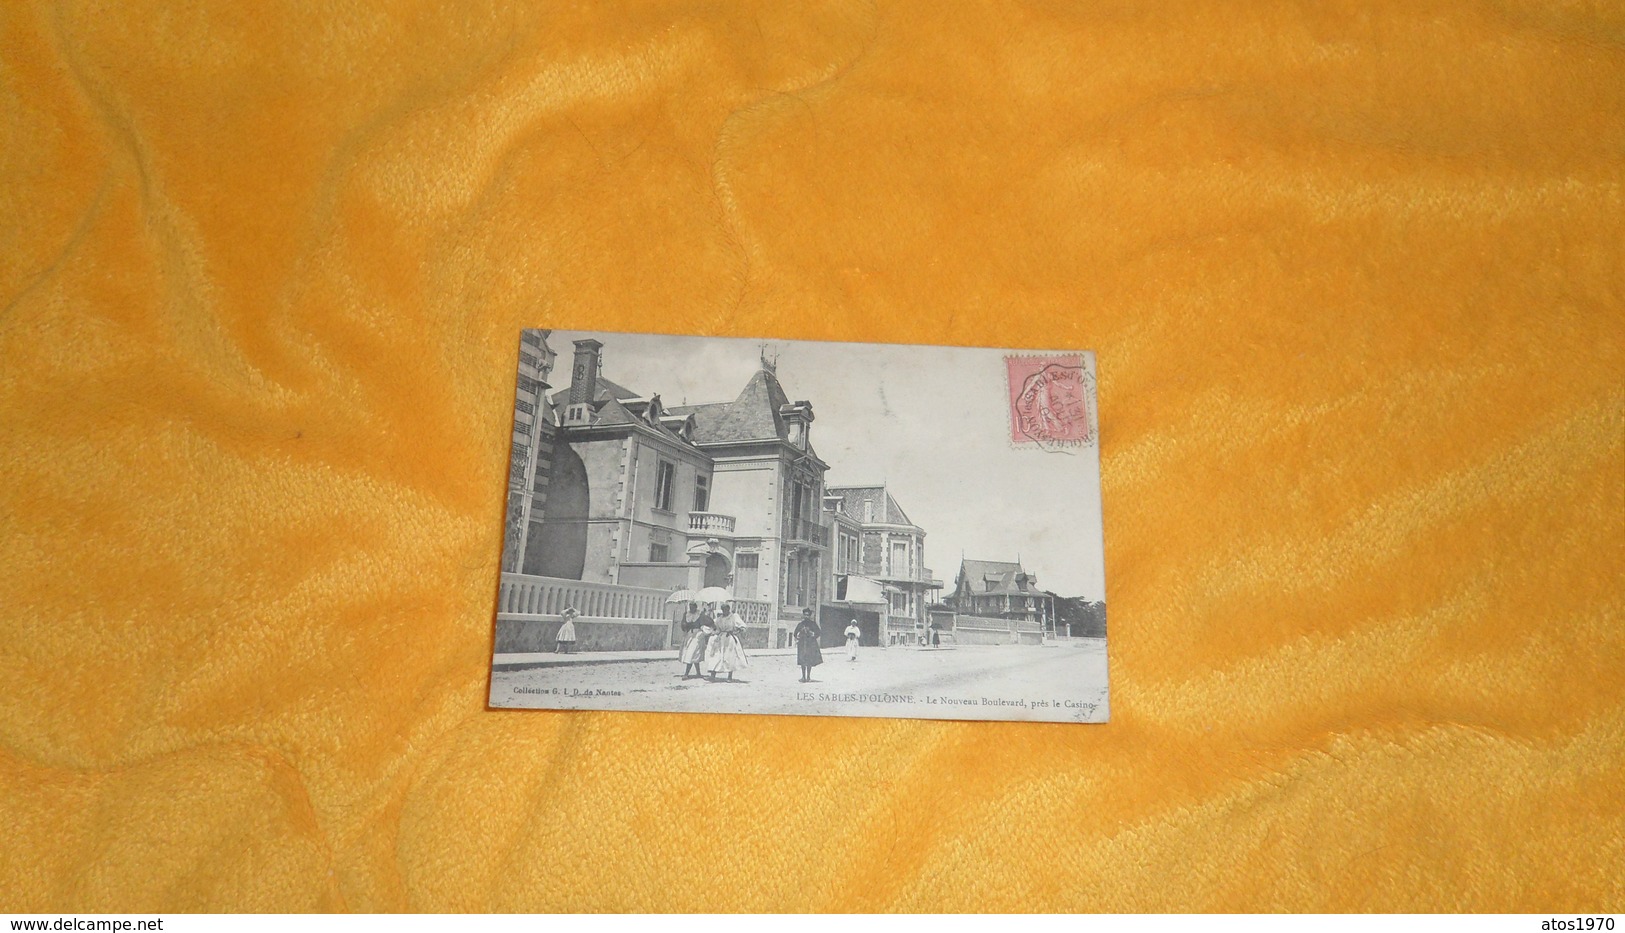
<point x="525" y="661"/>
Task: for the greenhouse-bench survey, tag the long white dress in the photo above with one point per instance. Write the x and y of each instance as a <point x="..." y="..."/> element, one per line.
<point x="694" y="646"/>
<point x="725" y="652"/>
<point x="852" y="642"/>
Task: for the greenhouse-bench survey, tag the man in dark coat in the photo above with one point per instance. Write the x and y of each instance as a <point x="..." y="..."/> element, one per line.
<point x="808" y="654"/>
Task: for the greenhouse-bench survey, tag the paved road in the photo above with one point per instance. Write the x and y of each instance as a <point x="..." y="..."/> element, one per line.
<point x="1053" y="684"/>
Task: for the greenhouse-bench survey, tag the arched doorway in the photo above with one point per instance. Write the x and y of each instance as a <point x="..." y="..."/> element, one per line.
<point x="717" y="570"/>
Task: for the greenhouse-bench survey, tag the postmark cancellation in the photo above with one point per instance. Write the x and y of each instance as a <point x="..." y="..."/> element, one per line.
<point x="1052" y="401"/>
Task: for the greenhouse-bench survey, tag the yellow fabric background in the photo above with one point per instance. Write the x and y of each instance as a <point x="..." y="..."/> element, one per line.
<point x="1354" y="272"/>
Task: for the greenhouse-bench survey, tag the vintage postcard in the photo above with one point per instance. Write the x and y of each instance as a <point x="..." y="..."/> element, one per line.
<point x="701" y="524"/>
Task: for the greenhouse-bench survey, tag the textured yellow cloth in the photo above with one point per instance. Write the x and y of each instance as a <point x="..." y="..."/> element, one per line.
<point x="1356" y="279"/>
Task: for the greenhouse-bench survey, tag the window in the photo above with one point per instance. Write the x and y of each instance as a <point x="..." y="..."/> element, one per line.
<point x="899" y="603"/>
<point x="658" y="553"/>
<point x="848" y="555"/>
<point x="800" y="581"/>
<point x="665" y="479"/>
<point x="702" y="493"/>
<point x="745" y="566"/>
<point x="899" y="558"/>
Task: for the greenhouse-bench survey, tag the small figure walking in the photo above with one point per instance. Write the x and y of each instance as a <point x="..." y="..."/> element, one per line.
<point x="699" y="629"/>
<point x="567" y="633"/>
<point x="852" y="640"/>
<point x="808" y="654"/>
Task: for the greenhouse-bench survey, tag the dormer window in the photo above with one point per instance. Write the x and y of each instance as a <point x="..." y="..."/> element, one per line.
<point x="577" y="413"/>
<point x="798" y="418"/>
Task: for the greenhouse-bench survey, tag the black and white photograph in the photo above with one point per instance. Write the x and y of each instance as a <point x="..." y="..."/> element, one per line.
<point x="728" y="525"/>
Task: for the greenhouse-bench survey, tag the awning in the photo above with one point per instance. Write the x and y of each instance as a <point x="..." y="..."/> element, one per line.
<point x="861" y="591"/>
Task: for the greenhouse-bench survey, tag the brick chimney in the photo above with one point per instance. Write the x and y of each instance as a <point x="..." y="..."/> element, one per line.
<point x="584" y="378"/>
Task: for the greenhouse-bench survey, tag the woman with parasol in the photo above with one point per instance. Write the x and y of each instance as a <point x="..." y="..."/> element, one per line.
<point x="725" y="652"/>
<point x="699" y="626"/>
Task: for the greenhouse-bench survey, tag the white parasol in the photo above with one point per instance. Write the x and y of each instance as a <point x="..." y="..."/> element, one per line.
<point x="714" y="594"/>
<point x="682" y="596"/>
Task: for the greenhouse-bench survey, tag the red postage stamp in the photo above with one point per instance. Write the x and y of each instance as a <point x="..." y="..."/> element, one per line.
<point x="1051" y="401"/>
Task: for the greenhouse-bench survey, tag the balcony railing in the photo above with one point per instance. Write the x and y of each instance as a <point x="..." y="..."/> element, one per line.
<point x="711" y="523"/>
<point x="809" y="531"/>
<point x="753" y="611"/>
<point x="923" y="579"/>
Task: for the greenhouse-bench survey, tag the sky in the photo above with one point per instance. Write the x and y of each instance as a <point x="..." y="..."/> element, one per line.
<point x="930" y="422"/>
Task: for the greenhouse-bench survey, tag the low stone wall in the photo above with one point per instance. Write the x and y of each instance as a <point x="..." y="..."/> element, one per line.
<point x="539" y="633"/>
<point x="966" y="635"/>
<point x="986" y="630"/>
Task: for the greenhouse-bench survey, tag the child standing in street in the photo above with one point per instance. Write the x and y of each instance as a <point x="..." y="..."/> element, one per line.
<point x="567" y="633"/>
<point x="852" y="640"/>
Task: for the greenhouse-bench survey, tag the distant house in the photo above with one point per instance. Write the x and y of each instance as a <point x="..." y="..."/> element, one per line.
<point x="876" y="540"/>
<point x="1003" y="590"/>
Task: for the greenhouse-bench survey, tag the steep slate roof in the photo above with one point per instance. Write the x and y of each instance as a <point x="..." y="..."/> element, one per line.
<point x="705" y="416"/>
<point x="886" y="508"/>
<point x="752" y="416"/>
<point x="611" y="403"/>
<point x="606" y="390"/>
<point x="1001" y="573"/>
<point x="613" y="412"/>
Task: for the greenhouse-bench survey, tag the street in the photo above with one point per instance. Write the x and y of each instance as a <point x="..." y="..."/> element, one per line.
<point x="1065" y="683"/>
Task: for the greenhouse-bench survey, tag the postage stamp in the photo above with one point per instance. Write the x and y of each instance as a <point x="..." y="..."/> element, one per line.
<point x="1050" y="401"/>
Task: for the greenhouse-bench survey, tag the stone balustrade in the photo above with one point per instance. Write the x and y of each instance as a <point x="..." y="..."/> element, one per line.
<point x="613" y="618"/>
<point x="710" y="523"/>
<point x="529" y="595"/>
